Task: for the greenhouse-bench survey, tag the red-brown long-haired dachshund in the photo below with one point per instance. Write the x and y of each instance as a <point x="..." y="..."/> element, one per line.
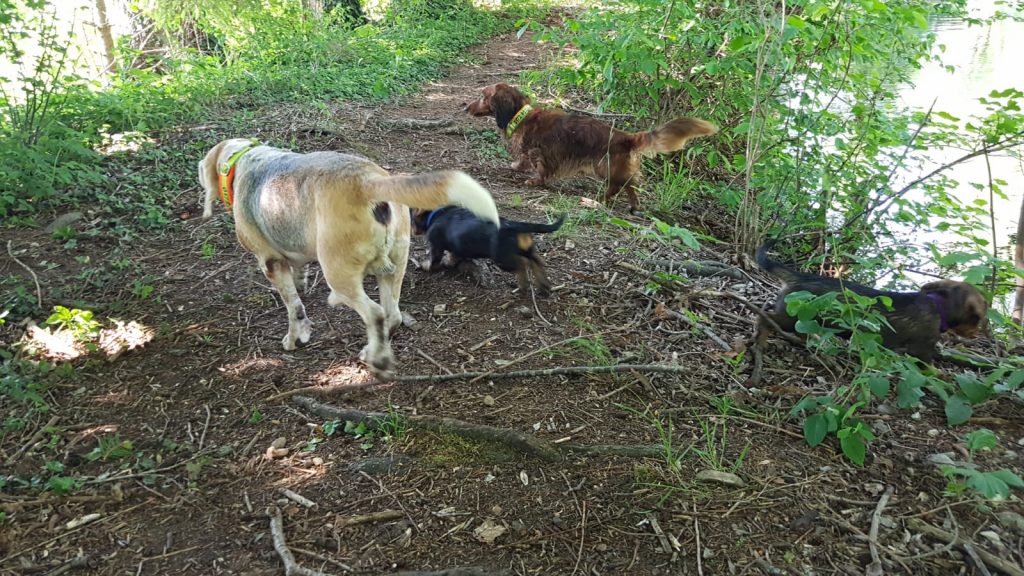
<point x="554" y="144"/>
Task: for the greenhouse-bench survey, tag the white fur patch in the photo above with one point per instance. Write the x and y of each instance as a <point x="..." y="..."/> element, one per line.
<point x="468" y="193"/>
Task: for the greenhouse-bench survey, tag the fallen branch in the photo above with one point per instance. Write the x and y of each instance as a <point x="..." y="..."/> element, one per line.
<point x="39" y="291"/>
<point x="525" y="443"/>
<point x="562" y="371"/>
<point x="875" y="568"/>
<point x="1004" y="566"/>
<point x="462" y="571"/>
<point x="291" y="567"/>
<point x="701" y="268"/>
<point x="415" y="123"/>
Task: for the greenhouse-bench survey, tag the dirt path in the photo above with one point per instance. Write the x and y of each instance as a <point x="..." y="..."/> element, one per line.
<point x="189" y="498"/>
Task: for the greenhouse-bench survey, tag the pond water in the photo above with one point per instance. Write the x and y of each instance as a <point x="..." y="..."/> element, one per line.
<point x="985" y="58"/>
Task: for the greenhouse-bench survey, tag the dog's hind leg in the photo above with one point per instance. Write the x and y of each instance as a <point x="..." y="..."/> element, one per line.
<point x="391" y="285"/>
<point x="282" y="275"/>
<point x="347" y="288"/>
<point x="541" y="277"/>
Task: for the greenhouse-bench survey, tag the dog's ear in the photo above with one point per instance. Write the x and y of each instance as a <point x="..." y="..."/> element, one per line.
<point x="489" y="91"/>
<point x="941" y="287"/>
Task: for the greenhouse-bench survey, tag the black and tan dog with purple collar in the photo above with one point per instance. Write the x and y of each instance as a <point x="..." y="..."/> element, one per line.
<point x="916" y="320"/>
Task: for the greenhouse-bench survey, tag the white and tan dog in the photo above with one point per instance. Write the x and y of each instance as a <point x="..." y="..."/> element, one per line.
<point x="340" y="210"/>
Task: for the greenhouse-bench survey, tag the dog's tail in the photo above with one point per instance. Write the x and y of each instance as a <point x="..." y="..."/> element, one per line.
<point x="531" y="228"/>
<point x="433" y="190"/>
<point x="672" y="135"/>
<point x="771" y="266"/>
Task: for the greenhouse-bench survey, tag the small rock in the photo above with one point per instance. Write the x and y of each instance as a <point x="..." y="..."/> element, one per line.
<point x="378" y="466"/>
<point x="524" y="311"/>
<point x="601" y="547"/>
<point x="880" y="427"/>
<point x="278" y="442"/>
<point x="524" y="478"/>
<point x="1009" y="456"/>
<point x="887" y="409"/>
<point x="1011" y="520"/>
<point x="708" y="553"/>
<point x="489" y="400"/>
<point x="274" y="453"/>
<point x="489" y="478"/>
<point x="569" y="244"/>
<point x="942" y="459"/>
<point x="933" y="433"/>
<point x="318" y="461"/>
<point x="487" y="532"/>
<point x="64" y="220"/>
<point x="440" y="308"/>
<point x="496" y="510"/>
<point x="716" y="476"/>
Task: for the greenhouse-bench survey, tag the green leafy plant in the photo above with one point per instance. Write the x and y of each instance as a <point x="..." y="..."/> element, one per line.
<point x="110" y="447"/>
<point x="79" y="323"/>
<point x="993" y="485"/>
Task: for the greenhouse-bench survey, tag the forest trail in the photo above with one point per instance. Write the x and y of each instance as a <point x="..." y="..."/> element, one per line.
<point x="209" y="453"/>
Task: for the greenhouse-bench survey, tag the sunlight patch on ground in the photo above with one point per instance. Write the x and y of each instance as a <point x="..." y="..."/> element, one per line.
<point x="344" y="375"/>
<point x="62" y="344"/>
<point x="123" y="142"/>
<point x="250" y="365"/>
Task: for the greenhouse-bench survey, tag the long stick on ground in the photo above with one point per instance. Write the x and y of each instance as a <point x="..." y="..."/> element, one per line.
<point x="291" y="567"/>
<point x="876" y="568"/>
<point x="39" y="291"/>
<point x="561" y="371"/>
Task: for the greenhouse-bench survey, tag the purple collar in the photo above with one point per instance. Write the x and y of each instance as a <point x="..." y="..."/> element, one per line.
<point x="940" y="305"/>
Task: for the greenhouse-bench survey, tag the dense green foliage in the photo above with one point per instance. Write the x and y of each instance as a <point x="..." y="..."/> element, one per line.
<point x="253" y="53"/>
<point x="814" y="146"/>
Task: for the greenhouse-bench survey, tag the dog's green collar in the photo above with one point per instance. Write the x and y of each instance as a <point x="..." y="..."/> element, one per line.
<point x="517" y="119"/>
<point x="227" y="173"/>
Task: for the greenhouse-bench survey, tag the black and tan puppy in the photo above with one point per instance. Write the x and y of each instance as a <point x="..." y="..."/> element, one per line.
<point x="916" y="319"/>
<point x="465" y="235"/>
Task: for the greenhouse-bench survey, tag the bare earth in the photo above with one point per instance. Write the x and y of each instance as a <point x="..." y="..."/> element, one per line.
<point x="192" y="497"/>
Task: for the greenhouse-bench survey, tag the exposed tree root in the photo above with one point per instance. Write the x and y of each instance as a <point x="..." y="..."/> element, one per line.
<point x="519" y="441"/>
<point x="291" y="567"/>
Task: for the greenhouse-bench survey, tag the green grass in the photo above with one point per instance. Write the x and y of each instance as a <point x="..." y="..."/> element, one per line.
<point x="577" y="215"/>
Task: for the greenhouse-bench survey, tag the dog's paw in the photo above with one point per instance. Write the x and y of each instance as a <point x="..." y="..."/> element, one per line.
<point x="537" y="181"/>
<point x="305" y="331"/>
<point x="288" y="342"/>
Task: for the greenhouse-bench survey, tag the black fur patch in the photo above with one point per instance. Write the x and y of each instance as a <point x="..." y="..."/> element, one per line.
<point x="382" y="213"/>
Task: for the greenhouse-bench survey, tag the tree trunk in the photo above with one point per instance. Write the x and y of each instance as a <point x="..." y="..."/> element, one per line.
<point x="1018" y="262"/>
<point x="103" y="25"/>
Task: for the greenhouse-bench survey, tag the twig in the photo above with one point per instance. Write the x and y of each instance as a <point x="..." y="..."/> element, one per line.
<point x="346" y="521"/>
<point x="701" y="268"/>
<point x="298" y="498"/>
<point x="538" y="351"/>
<point x="31" y="441"/>
<point x="39" y="291"/>
<point x="321" y="558"/>
<point x="291" y="567"/>
<point x="583" y="535"/>
<point x="146" y="473"/>
<point x="415" y="123"/>
<point x="653" y="521"/>
<point x="787" y="336"/>
<point x="426" y="357"/>
<point x="698" y="326"/>
<point x="875" y="568"/>
<point x="696" y="531"/>
<point x="1005" y="566"/>
<point x="533" y="296"/>
<point x="206" y="425"/>
<point x="389" y="493"/>
<point x="562" y="371"/>
<point x="76" y="562"/>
